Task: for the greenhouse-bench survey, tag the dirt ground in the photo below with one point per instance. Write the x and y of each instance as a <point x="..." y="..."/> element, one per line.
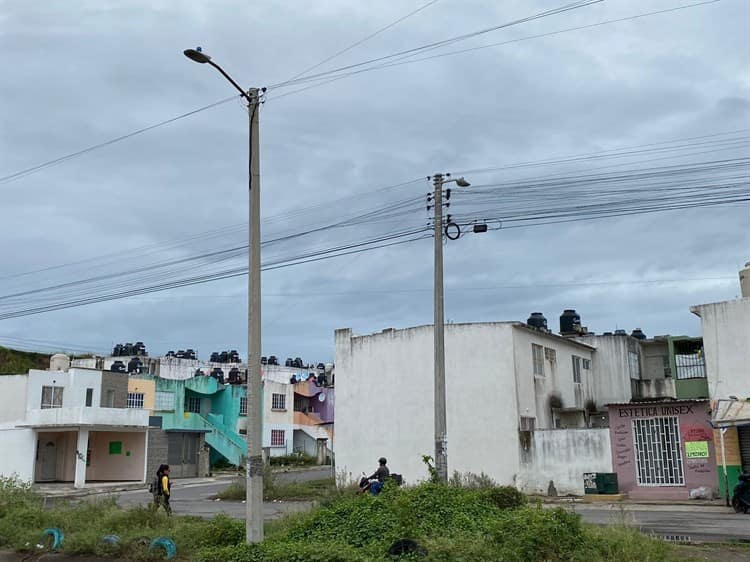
<point x="715" y="553"/>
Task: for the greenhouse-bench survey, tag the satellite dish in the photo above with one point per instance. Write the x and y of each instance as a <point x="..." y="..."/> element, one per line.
<point x="322" y="397"/>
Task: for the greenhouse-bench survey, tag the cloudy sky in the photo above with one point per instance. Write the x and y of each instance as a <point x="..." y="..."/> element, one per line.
<point x="348" y="158"/>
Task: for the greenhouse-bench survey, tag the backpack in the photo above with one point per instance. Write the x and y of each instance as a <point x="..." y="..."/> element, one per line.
<point x="155" y="487"/>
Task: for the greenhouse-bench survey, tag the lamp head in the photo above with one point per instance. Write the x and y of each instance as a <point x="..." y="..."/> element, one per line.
<point x="461" y="182"/>
<point x="197" y="55"/>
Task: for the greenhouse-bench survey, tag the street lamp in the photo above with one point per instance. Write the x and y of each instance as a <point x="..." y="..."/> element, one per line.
<point x="254" y="436"/>
<point x="441" y="433"/>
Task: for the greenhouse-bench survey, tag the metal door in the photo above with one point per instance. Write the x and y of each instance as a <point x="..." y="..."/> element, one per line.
<point x="47" y="460"/>
<point x="182" y="454"/>
<point x="743" y="433"/>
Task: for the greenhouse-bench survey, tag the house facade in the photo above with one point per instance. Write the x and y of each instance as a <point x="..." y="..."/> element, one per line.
<point x="72" y="425"/>
<point x="725" y="327"/>
<point x="508" y="387"/>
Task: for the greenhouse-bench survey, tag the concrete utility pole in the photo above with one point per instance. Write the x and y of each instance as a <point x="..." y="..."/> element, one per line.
<point x="441" y="431"/>
<point x="254" y="436"/>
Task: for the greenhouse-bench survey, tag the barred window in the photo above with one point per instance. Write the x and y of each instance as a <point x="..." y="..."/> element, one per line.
<point x="658" y="453"/>
<point x="277" y="438"/>
<point x="278" y="401"/>
<point x="243" y="405"/>
<point x="193" y="404"/>
<point x="164" y="401"/>
<point x="135" y="400"/>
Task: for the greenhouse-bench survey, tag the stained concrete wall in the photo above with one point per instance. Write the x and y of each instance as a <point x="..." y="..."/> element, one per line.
<point x="117" y="382"/>
<point x="561" y="456"/>
<point x="726" y="342"/>
<point x="158" y="446"/>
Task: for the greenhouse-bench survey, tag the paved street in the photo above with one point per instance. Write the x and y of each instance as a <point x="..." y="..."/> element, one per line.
<point x="682" y="523"/>
<point x="678" y="522"/>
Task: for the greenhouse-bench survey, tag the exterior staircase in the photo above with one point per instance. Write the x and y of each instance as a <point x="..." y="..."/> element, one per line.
<point x="223" y="439"/>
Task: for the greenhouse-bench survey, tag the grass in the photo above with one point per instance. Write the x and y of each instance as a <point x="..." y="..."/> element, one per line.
<point x="14" y="362"/>
<point x="451" y="522"/>
<point x="273" y="490"/>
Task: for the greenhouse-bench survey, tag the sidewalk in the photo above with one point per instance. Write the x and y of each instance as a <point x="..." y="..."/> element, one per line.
<point x="66" y="490"/>
<point x="650" y="505"/>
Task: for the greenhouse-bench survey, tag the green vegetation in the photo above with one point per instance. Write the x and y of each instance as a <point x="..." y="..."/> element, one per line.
<point x="275" y="490"/>
<point x="14" y="362"/>
<point x="295" y="459"/>
<point x="452" y="522"/>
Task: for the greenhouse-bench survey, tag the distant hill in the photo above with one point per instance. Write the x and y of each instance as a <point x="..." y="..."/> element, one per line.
<point x="14" y="362"/>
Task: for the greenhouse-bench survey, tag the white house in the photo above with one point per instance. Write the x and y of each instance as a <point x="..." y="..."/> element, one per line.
<point x="506" y="383"/>
<point x="71" y="425"/>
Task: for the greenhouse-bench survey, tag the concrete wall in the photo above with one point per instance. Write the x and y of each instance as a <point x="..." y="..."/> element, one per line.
<point x="158" y="446"/>
<point x="20" y="448"/>
<point x="610" y="363"/>
<point x="653" y="355"/>
<point x="534" y="391"/>
<point x="13" y="399"/>
<point x="75" y="383"/>
<point x="117" y="382"/>
<point x="726" y="342"/>
<point x="562" y="456"/>
<point x="128" y="465"/>
<point x="385" y="381"/>
<point x="694" y="425"/>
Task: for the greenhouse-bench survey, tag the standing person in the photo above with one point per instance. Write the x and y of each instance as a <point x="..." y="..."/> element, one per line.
<point x="163" y="489"/>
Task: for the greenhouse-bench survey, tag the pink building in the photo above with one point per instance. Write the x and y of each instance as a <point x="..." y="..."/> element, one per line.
<point x="663" y="449"/>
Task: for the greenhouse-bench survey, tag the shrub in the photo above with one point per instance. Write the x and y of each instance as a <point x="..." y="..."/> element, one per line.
<point x="532" y="534"/>
<point x="504" y="497"/>
<point x="295" y="459"/>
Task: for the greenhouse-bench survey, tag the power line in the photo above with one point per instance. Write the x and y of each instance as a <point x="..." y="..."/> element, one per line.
<point x="60" y="160"/>
<point x="363" y="40"/>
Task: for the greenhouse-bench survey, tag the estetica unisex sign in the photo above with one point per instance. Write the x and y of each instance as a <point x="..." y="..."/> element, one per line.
<point x="652" y="411"/>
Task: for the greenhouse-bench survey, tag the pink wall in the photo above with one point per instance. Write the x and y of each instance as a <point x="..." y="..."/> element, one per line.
<point x="694" y="426"/>
<point x="121" y="467"/>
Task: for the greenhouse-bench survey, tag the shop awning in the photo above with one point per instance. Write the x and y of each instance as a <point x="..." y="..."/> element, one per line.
<point x="731" y="413"/>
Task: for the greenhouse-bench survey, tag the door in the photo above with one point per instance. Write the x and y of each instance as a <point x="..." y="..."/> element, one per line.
<point x="743" y="433"/>
<point x="182" y="454"/>
<point x="47" y="460"/>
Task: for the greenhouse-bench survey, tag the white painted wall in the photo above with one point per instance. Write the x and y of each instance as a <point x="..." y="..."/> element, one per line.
<point x="534" y="392"/>
<point x="13" y="398"/>
<point x="19" y="446"/>
<point x="562" y="456"/>
<point x="726" y="342"/>
<point x="611" y="381"/>
<point x="74" y="381"/>
<point x="81" y="415"/>
<point x="385" y="400"/>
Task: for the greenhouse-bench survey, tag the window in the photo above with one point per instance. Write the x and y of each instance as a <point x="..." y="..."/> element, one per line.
<point x="537" y="356"/>
<point x="576" y="369"/>
<point x="634" y="365"/>
<point x="89" y="397"/>
<point x="278" y="401"/>
<point x="690" y="365"/>
<point x="587" y="364"/>
<point x="666" y="365"/>
<point x="277" y="438"/>
<point x="527" y="423"/>
<point x="135" y="400"/>
<point x="52" y="397"/>
<point x="110" y="403"/>
<point x="243" y="405"/>
<point x="550" y="354"/>
<point x="164" y="401"/>
<point x="193" y="404"/>
<point x="658" y="453"/>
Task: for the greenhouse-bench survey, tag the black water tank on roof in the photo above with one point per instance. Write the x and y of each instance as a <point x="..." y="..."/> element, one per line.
<point x="289" y="362"/>
<point x="264" y="360"/>
<point x="638" y="334"/>
<point x="134" y="365"/>
<point x="273" y="360"/>
<point x="570" y="322"/>
<point x="536" y="320"/>
<point x="118" y="367"/>
<point x="621" y="333"/>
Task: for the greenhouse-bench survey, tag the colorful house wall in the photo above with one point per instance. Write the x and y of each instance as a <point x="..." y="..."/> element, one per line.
<point x="663" y="450"/>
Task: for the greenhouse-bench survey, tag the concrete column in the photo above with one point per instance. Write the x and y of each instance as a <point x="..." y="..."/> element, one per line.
<point x="81" y="451"/>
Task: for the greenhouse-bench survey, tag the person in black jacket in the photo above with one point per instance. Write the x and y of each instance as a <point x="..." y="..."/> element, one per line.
<point x="162" y="489"/>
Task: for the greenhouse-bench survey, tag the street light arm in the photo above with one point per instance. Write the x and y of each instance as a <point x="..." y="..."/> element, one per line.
<point x="231" y="81"/>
